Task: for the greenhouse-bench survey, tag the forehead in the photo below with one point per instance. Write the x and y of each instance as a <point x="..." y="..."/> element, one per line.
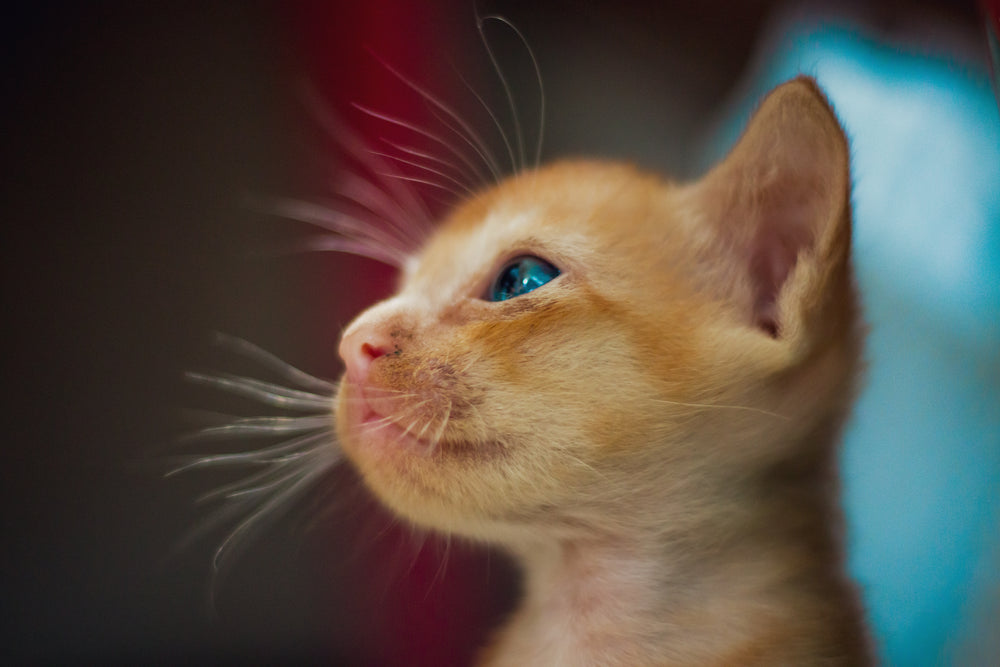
<point x="571" y="211"/>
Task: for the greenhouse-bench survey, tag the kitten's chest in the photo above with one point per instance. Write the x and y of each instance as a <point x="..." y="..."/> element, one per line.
<point x="564" y="639"/>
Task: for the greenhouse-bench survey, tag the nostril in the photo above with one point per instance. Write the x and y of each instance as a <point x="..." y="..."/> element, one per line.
<point x="360" y="348"/>
<point x="373" y="352"/>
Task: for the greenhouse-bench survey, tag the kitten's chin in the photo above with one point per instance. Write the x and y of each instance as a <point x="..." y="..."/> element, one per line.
<point x="413" y="476"/>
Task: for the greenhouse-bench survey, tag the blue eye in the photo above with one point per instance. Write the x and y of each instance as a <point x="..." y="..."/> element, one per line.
<point x="521" y="276"/>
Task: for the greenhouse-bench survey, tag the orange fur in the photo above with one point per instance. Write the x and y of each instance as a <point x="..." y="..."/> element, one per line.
<point x="651" y="434"/>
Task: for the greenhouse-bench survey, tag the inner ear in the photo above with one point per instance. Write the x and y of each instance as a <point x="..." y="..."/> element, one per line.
<point x="782" y="232"/>
<point x="780" y="198"/>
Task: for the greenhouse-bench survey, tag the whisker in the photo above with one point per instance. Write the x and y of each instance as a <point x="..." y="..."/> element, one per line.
<point x="280" y="472"/>
<point x="390" y="390"/>
<point x="472" y="360"/>
<point x="274" y="466"/>
<point x="417" y="541"/>
<point x="436" y="440"/>
<point x="583" y="464"/>
<point x="337" y="244"/>
<point x="442" y="564"/>
<point x="409" y="150"/>
<point x="355" y="147"/>
<point x="467" y="134"/>
<point x="479" y="415"/>
<point x="363" y="399"/>
<point x="416" y="406"/>
<point x="272" y="476"/>
<point x="425" y="181"/>
<point x="718" y="406"/>
<point x="538" y="78"/>
<point x="268" y="360"/>
<point x="340" y="222"/>
<point x="423" y="431"/>
<point x="518" y="135"/>
<point x="408" y="428"/>
<point x="267" y="511"/>
<point x="263" y="426"/>
<point x="264" y="392"/>
<point x="433" y="137"/>
<point x="262" y="482"/>
<point x="382" y="421"/>
<point x="484" y="153"/>
<point x="429" y="170"/>
<point x="256" y="455"/>
<point x="493" y="117"/>
<point x="363" y="192"/>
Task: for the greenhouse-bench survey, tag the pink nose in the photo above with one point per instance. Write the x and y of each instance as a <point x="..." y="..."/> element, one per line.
<point x="360" y="348"/>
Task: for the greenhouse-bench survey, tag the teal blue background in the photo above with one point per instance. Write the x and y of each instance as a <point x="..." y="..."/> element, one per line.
<point x="921" y="462"/>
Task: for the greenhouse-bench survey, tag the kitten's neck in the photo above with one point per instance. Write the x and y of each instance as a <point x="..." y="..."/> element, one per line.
<point x="767" y="596"/>
<point x="584" y="603"/>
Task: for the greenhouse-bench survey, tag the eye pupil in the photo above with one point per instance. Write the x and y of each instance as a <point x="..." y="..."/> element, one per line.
<point x="521" y="276"/>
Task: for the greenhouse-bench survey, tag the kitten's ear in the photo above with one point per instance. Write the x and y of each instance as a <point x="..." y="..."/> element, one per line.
<point x="780" y="206"/>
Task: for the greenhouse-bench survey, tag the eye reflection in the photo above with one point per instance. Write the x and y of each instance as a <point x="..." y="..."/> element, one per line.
<point x="520" y="276"/>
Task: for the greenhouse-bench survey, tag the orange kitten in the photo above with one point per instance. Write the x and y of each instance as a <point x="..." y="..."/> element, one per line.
<point x="637" y="388"/>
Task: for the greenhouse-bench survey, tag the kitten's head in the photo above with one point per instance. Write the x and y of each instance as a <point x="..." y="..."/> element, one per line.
<point x="586" y="337"/>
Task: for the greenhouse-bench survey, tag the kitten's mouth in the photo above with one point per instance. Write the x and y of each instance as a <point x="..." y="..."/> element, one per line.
<point x="379" y="431"/>
<point x="379" y="421"/>
<point x="378" y="426"/>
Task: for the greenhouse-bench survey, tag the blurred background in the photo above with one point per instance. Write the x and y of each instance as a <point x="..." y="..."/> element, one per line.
<point x="133" y="134"/>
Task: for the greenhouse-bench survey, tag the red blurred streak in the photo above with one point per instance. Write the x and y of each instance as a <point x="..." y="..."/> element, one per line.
<point x="992" y="10"/>
<point x="427" y="613"/>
